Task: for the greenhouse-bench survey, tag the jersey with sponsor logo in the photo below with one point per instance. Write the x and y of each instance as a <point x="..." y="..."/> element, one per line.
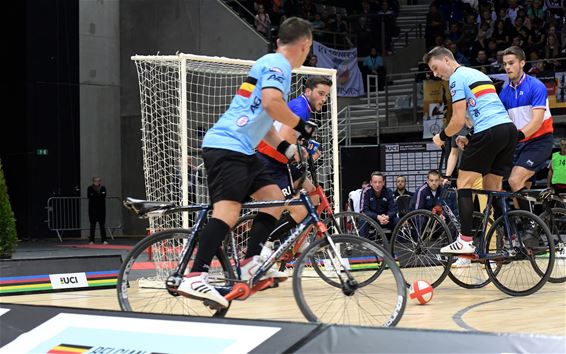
<point x="482" y="103"/>
<point x="301" y="107"/>
<point x="245" y="123"/>
<point x="520" y="100"/>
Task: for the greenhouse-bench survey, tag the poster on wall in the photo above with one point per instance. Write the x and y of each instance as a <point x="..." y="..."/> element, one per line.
<point x="349" y="77"/>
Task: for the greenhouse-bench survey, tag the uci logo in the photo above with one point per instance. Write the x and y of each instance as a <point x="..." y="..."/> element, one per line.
<point x="68" y="280"/>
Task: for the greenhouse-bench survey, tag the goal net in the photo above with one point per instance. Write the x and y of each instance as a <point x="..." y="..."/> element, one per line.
<point x="182" y="96"/>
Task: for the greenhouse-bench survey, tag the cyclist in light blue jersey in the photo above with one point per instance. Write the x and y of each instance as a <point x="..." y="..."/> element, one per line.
<point x="233" y="170"/>
<point x="489" y="153"/>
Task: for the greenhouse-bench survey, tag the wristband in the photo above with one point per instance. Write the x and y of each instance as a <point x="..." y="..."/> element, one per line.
<point x="443" y="135"/>
<point x="287" y="149"/>
<point x="520" y="135"/>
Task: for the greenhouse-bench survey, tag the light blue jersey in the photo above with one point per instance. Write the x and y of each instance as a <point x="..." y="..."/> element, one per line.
<point x="245" y="123"/>
<point x="482" y="103"/>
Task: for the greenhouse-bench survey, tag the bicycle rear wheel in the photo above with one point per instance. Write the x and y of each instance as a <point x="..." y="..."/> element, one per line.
<point x="141" y="281"/>
<point x="380" y="302"/>
<point x="527" y="261"/>
<point x="358" y="224"/>
<point x="471" y="275"/>
<point x="558" y="231"/>
<point x="416" y="243"/>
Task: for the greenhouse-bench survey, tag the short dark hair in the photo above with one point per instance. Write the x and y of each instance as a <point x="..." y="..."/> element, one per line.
<point x="312" y="81"/>
<point x="438" y="52"/>
<point x="293" y="29"/>
<point x="516" y="51"/>
<point x="404" y="178"/>
<point x="377" y="173"/>
<point x="433" y="172"/>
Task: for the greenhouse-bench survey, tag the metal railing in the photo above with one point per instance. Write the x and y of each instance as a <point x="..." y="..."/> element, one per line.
<point x="71" y="214"/>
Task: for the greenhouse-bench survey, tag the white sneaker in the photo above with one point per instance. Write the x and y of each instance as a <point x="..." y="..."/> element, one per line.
<point x="196" y="285"/>
<point x="251" y="265"/>
<point x="266" y="250"/>
<point x="462" y="263"/>
<point x="459" y="247"/>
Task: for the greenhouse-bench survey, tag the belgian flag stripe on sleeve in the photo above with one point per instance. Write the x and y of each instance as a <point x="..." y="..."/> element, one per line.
<point x="247" y="87"/>
<point x="481" y="88"/>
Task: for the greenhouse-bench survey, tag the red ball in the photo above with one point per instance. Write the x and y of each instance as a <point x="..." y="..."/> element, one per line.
<point x="421" y="291"/>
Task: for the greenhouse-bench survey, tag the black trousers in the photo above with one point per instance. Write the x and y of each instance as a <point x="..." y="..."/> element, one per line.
<point x="101" y="224"/>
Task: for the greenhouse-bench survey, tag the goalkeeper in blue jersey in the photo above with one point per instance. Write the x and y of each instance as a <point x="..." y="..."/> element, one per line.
<point x="233" y="170"/>
<point x="315" y="95"/>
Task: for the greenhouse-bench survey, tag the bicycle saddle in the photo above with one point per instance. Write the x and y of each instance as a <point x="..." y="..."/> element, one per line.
<point x="141" y="207"/>
<point x="545" y="195"/>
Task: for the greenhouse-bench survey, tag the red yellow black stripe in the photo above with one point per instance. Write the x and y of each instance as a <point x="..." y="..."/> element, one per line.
<point x="481" y="88"/>
<point x="247" y="87"/>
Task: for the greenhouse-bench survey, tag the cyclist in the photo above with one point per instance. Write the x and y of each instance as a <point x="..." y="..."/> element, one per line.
<point x="315" y="94"/>
<point x="490" y="150"/>
<point x="233" y="170"/>
<point x="525" y="99"/>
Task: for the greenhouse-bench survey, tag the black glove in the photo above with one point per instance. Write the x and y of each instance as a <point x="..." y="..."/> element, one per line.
<point x="520" y="135"/>
<point x="306" y="129"/>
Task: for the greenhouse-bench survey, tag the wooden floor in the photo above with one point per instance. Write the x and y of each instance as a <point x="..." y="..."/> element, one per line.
<point x="452" y="308"/>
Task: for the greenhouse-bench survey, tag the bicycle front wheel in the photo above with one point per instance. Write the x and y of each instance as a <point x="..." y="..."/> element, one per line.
<point x="558" y="230"/>
<point x="141" y="281"/>
<point x="416" y="243"/>
<point x="526" y="260"/>
<point x="380" y="302"/>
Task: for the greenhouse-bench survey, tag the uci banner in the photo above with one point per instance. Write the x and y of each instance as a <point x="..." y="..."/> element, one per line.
<point x="349" y="77"/>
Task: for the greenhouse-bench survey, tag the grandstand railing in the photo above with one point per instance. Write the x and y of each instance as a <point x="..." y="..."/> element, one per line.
<point x="71" y="214"/>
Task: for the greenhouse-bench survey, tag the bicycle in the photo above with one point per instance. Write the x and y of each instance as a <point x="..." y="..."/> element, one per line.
<point x="555" y="218"/>
<point x="417" y="240"/>
<point x="149" y="285"/>
<point x="346" y="222"/>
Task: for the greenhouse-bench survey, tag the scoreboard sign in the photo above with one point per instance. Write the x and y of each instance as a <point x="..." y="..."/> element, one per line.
<point x="412" y="160"/>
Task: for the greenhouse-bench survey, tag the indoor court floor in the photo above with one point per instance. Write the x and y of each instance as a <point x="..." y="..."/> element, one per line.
<point x="452" y="307"/>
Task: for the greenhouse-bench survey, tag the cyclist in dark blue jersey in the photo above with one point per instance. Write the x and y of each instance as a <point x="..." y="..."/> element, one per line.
<point x="315" y="94"/>
<point x="233" y="170"/>
<point x="489" y="153"/>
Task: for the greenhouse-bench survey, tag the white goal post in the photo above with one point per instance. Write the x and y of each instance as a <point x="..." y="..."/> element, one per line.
<point x="181" y="97"/>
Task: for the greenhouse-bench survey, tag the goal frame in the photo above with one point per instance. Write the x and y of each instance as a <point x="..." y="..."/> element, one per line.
<point x="183" y="57"/>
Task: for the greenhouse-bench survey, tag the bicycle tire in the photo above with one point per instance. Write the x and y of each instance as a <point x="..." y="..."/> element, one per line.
<point x="517" y="264"/>
<point x="418" y="260"/>
<point x="474" y="276"/>
<point x="141" y="281"/>
<point x="558" y="233"/>
<point x="321" y="302"/>
<point x="358" y="224"/>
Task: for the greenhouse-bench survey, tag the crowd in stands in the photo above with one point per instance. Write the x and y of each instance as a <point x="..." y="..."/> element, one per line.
<point x="477" y="31"/>
<point x="344" y="23"/>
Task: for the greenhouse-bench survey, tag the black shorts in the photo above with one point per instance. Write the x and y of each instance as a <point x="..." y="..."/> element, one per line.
<point x="491" y="151"/>
<point x="534" y="154"/>
<point x="232" y="175"/>
<point x="281" y="173"/>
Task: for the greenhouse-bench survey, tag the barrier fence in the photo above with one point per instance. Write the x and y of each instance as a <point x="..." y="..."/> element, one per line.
<point x="71" y="214"/>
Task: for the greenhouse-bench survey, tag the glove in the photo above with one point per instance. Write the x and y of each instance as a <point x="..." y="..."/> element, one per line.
<point x="287" y="149"/>
<point x="437" y="210"/>
<point x="312" y="147"/>
<point x="306" y="129"/>
<point x="520" y="135"/>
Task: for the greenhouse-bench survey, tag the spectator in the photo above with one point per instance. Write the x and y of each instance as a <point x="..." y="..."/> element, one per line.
<point x="454" y="35"/>
<point x="373" y="65"/>
<point x="427" y="196"/>
<point x="434" y="25"/>
<point x="262" y="21"/>
<point x="378" y="202"/>
<point x="497" y="66"/>
<point x="96" y="194"/>
<point x="401" y="187"/>
<point x="520" y="29"/>
<point x="537" y="37"/>
<point x="557" y="169"/>
<point x="535" y="10"/>
<point x="355" y="198"/>
<point x="461" y="58"/>
<point x="500" y="34"/>
<point x="469" y="31"/>
<point x="513" y="10"/>
<point x="313" y="61"/>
